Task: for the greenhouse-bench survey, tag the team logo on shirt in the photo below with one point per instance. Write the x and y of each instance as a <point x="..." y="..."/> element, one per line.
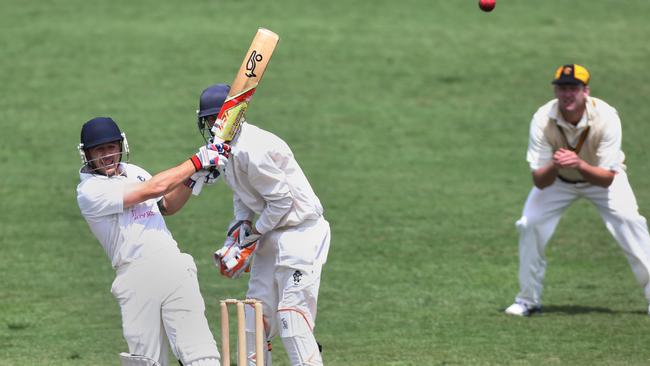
<point x="297" y="275"/>
<point x="141" y="212"/>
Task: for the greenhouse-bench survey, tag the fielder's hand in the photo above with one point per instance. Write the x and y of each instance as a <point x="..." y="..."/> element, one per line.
<point x="564" y="158"/>
<point x="211" y="156"/>
<point x="234" y="258"/>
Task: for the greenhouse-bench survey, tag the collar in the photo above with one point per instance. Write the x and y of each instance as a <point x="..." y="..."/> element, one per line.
<point x="587" y="117"/>
<point x="86" y="173"/>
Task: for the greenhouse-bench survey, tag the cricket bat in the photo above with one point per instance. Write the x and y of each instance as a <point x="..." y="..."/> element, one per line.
<point x="245" y="84"/>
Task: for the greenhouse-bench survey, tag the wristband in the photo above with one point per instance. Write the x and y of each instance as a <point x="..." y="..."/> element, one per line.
<point x="197" y="162"/>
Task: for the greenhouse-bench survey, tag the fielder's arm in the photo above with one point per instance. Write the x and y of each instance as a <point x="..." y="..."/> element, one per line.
<point x="595" y="175"/>
<point x="545" y="176"/>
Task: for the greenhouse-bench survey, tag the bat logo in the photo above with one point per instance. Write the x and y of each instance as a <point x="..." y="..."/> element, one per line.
<point x="252" y="62"/>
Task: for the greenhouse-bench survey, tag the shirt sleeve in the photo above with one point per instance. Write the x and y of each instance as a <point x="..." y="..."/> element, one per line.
<point x="609" y="149"/>
<point x="242" y="212"/>
<point x="271" y="183"/>
<point x="101" y="197"/>
<point x="539" y="152"/>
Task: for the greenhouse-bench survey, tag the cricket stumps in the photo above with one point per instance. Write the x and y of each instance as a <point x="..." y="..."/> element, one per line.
<point x="242" y="352"/>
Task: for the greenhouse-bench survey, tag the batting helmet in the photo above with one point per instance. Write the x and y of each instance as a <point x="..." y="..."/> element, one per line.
<point x="100" y="130"/>
<point x="210" y="103"/>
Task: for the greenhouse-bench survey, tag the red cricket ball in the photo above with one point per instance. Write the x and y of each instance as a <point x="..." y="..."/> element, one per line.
<point x="487" y="5"/>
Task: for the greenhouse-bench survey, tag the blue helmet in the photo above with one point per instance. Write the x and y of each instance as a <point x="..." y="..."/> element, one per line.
<point x="212" y="99"/>
<point x="100" y="130"/>
<point x="210" y="103"/>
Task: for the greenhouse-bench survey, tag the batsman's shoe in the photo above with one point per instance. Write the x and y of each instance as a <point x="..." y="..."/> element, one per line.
<point x="521" y="309"/>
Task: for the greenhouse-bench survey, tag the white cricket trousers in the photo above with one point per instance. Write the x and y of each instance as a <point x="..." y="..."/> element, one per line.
<point x="285" y="276"/>
<point x="161" y="305"/>
<point x="542" y="212"/>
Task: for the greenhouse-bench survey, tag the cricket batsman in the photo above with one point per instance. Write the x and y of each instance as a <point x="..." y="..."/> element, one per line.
<point x="155" y="284"/>
<point x="279" y="227"/>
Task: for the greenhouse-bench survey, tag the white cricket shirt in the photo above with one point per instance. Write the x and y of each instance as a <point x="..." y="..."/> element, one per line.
<point x="267" y="180"/>
<point x="125" y="234"/>
<point x="608" y="152"/>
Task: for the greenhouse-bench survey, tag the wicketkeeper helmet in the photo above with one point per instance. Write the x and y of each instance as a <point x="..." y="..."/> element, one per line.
<point x="210" y="103"/>
<point x="211" y="99"/>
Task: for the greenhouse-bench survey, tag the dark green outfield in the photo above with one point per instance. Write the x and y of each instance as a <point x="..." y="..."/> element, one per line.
<point x="409" y="117"/>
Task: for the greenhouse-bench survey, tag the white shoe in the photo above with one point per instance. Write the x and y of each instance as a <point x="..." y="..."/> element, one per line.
<point x="521" y="309"/>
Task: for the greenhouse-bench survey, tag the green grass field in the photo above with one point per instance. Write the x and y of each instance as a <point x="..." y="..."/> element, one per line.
<point x="409" y="117"/>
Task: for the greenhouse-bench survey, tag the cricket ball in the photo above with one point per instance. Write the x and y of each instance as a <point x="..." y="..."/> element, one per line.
<point x="487" y="5"/>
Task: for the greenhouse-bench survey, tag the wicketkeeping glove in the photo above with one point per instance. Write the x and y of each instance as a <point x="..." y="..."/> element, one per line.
<point x="234" y="258"/>
<point x="211" y="156"/>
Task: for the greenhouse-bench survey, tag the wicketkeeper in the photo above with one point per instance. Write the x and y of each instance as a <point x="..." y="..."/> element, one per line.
<point x="287" y="243"/>
<point x="574" y="151"/>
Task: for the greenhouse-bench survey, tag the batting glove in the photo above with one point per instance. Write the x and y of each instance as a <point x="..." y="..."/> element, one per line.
<point x="211" y="156"/>
<point x="203" y="177"/>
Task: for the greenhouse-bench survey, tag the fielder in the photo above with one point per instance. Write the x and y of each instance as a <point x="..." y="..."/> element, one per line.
<point x="574" y="151"/>
<point x="289" y="241"/>
<point x="155" y="284"/>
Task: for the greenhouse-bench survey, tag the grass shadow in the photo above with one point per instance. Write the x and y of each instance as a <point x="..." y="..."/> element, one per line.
<point x="580" y="309"/>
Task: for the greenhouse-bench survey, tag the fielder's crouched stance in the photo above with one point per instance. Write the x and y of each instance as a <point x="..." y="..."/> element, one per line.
<point x="575" y="151"/>
<point x="289" y="240"/>
<point x="155" y="285"/>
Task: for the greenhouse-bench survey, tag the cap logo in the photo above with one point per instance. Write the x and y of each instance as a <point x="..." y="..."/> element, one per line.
<point x="571" y="74"/>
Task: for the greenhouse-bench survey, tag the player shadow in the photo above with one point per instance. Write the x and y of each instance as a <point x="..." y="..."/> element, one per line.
<point x="580" y="309"/>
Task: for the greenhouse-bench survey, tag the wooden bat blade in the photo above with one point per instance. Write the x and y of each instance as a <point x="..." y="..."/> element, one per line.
<point x="257" y="58"/>
<point x="245" y="84"/>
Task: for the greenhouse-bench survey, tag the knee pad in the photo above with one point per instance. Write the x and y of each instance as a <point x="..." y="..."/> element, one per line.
<point x="204" y="362"/>
<point x="298" y="339"/>
<point x="270" y="323"/>
<point x="251" y="351"/>
<point x="127" y="359"/>
<point x="292" y="323"/>
<point x="249" y="318"/>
